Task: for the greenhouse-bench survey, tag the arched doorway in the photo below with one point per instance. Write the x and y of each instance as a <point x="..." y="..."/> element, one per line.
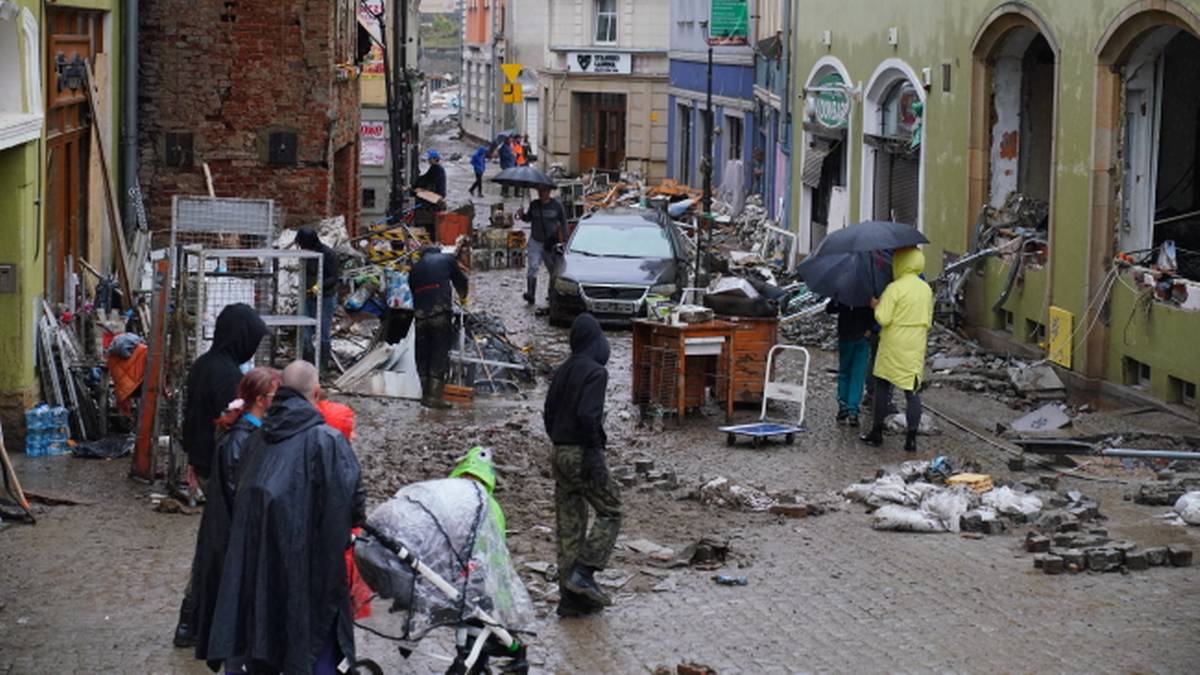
<point x="1147" y="145"/>
<point x="825" y="177"/>
<point x="893" y="136"/>
<point x="1013" y="102"/>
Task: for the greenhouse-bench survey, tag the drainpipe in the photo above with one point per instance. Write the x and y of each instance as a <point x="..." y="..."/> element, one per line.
<point x="129" y="113"/>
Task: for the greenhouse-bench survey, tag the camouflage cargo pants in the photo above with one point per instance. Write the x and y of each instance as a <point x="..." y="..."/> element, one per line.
<point x="572" y="497"/>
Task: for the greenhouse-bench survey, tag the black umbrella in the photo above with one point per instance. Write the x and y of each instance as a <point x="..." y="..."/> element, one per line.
<point x="849" y="278"/>
<point x="872" y="235"/>
<point x="523" y="177"/>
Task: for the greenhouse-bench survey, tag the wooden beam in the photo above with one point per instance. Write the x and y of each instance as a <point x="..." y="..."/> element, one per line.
<point x="116" y="227"/>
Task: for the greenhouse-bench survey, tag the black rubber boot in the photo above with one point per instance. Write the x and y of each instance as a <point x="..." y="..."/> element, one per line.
<point x="852" y="420"/>
<point x="530" y="291"/>
<point x="910" y="441"/>
<point x="437" y="399"/>
<point x="572" y="605"/>
<point x="184" y="637"/>
<point x="579" y="580"/>
<point x="426" y="391"/>
<point x="842" y="414"/>
<point x="873" y="437"/>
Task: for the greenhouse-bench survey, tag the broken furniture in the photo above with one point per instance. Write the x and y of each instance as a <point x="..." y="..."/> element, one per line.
<point x="778" y="390"/>
<point x="753" y="339"/>
<point x="673" y="365"/>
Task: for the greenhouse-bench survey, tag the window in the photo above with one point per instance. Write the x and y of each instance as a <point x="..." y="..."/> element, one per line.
<point x="281" y="149"/>
<point x="684" y="171"/>
<point x="900" y="112"/>
<point x="733" y="131"/>
<point x="179" y="150"/>
<point x="606" y="21"/>
<point x="368" y="198"/>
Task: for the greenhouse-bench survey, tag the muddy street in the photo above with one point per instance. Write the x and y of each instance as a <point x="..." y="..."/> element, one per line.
<point x="95" y="585"/>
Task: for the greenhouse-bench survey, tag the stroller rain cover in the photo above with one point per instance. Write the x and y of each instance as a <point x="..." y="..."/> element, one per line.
<point x="445" y="524"/>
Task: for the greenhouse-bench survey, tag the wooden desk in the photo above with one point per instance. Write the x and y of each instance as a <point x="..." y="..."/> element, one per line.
<point x="672" y="364"/>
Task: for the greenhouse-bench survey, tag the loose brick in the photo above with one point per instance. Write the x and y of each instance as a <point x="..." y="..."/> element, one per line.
<point x="1181" y="556"/>
<point x="1136" y="560"/>
<point x="1053" y="564"/>
<point x="1036" y="543"/>
<point x="1157" y="556"/>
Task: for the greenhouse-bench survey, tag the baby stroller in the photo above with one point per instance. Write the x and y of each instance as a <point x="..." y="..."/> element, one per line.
<point x="437" y="553"/>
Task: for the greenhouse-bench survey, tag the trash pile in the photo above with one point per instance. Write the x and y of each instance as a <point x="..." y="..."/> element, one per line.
<point x="964" y="365"/>
<point x="485" y="362"/>
<point x="931" y="496"/>
<point x="720" y="492"/>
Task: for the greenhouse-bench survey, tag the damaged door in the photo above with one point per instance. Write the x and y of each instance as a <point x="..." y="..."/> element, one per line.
<point x="74" y="36"/>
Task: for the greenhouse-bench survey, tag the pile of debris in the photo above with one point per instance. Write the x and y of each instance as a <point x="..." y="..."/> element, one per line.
<point x="930" y="496"/>
<point x="720" y="492"/>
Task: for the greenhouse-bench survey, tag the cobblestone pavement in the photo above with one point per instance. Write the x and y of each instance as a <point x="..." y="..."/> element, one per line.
<point x="95" y="588"/>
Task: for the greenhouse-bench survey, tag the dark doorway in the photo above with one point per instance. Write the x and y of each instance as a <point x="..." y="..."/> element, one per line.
<point x="601" y="132"/>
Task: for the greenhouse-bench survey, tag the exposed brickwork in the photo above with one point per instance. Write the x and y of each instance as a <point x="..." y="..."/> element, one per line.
<point x="233" y="72"/>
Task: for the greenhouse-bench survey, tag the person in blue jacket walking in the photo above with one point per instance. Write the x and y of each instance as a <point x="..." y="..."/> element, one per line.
<point x="478" y="163"/>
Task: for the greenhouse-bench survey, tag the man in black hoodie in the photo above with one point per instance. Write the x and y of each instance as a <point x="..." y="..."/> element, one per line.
<point x="574" y="418"/>
<point x="211" y="384"/>
<point x="283" y="603"/>
<point x="308" y="240"/>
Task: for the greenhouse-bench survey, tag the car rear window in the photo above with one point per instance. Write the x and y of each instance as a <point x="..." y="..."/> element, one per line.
<point x="621" y="241"/>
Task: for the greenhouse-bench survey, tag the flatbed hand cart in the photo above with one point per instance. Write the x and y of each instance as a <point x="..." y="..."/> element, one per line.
<point x="765" y="429"/>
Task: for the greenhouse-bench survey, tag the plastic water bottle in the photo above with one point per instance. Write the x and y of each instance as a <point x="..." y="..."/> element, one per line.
<point x="59" y="432"/>
<point x="35" y="424"/>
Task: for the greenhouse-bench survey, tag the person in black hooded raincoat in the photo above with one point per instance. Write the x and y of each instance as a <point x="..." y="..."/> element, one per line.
<point x="242" y="422"/>
<point x="212" y="384"/>
<point x="574" y="419"/>
<point x="284" y="604"/>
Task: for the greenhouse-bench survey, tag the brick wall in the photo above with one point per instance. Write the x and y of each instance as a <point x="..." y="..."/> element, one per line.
<point x="231" y="73"/>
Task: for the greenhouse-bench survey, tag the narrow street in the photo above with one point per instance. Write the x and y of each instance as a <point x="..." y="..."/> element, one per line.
<point x="95" y="586"/>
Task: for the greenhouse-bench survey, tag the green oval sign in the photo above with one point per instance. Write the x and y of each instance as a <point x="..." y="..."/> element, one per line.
<point x="831" y="106"/>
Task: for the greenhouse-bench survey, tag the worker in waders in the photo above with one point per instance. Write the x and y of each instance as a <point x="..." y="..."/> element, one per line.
<point x="433" y="280"/>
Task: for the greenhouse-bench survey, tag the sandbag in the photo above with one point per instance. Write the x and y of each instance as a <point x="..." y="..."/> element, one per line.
<point x="1188" y="508"/>
<point x="904" y="519"/>
<point x="1004" y="500"/>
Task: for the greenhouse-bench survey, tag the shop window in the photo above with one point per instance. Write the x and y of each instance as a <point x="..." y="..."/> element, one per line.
<point x="733" y="136"/>
<point x="282" y="148"/>
<point x="179" y="152"/>
<point x="1160" y="194"/>
<point x="1022" y="114"/>
<point x="606" y="21"/>
<point x="895" y="142"/>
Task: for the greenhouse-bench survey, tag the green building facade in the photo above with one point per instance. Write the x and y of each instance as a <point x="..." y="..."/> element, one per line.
<point x="49" y="192"/>
<point x="925" y="111"/>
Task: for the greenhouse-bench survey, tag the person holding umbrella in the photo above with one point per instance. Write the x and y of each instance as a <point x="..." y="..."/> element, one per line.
<point x="905" y="313"/>
<point x="547" y="228"/>
<point x="854" y="325"/>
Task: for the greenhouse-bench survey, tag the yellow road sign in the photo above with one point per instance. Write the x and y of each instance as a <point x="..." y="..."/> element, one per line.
<point x="511" y="71"/>
<point x="511" y="93"/>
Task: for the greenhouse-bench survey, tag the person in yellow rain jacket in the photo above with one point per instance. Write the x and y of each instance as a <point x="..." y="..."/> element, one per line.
<point x="904" y="313"/>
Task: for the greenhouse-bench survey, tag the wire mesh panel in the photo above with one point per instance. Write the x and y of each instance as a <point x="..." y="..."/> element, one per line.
<point x="218" y="222"/>
<point x="272" y="281"/>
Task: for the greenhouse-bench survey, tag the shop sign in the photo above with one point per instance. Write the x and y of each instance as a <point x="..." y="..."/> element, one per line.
<point x="373" y="129"/>
<point x="831" y="105"/>
<point x="728" y="22"/>
<point x="606" y="63"/>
